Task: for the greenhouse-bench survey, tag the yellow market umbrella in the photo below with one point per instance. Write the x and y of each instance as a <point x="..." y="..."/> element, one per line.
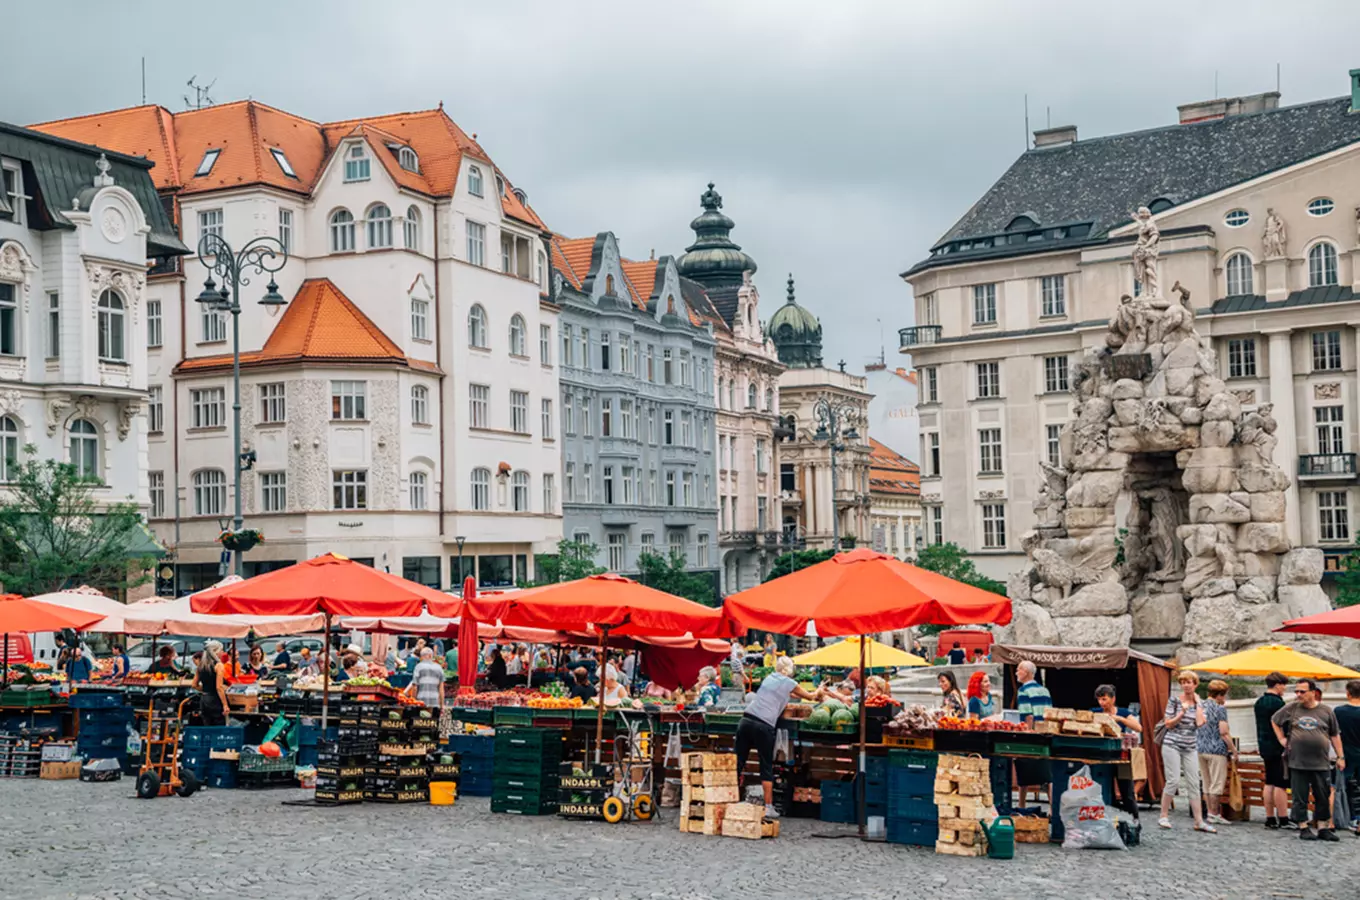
<point x="845" y="655"/>
<point x="1274" y="658"/>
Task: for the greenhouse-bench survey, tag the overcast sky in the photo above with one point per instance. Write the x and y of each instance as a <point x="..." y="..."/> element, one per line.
<point x="845" y="137"/>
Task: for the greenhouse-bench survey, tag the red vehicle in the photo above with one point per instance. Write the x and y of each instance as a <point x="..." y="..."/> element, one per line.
<point x="973" y="642"/>
<point x="20" y="648"/>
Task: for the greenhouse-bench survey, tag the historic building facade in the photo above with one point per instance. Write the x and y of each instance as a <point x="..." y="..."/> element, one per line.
<point x="400" y="408"/>
<point x="894" y="501"/>
<point x="78" y="228"/>
<point x="637" y="422"/>
<point x="1256" y="208"/>
<point x="749" y="512"/>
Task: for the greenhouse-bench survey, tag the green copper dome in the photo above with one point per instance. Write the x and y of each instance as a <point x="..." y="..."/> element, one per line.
<point x="797" y="334"/>
<point x="713" y="259"/>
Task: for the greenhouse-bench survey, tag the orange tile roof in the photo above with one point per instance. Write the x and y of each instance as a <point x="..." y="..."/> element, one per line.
<point x="138" y="130"/>
<point x="892" y="473"/>
<point x="320" y="325"/>
<point x="641" y="277"/>
<point x="572" y="257"/>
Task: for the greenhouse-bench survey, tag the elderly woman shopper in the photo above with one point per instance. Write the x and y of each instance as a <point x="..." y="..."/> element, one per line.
<point x="761" y="719"/>
<point x="707" y="688"/>
<point x="211" y="679"/>
<point x="1214" y="743"/>
<point x="1183" y="718"/>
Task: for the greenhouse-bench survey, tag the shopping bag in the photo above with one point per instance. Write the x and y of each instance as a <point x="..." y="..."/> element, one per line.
<point x="1234" y="786"/>
<point x="781" y="745"/>
<point x="1341" y="808"/>
<point x="276" y="729"/>
<point x="673" y="745"/>
<point x="1087" y="821"/>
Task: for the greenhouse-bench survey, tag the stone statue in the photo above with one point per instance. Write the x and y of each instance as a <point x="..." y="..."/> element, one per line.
<point x="1139" y="558"/>
<point x="1179" y="319"/>
<point x="1167" y="549"/>
<point x="1128" y="328"/>
<point x="1258" y="430"/>
<point x="1051" y="499"/>
<point x="1274" y="240"/>
<point x="1057" y="572"/>
<point x="1146" y="251"/>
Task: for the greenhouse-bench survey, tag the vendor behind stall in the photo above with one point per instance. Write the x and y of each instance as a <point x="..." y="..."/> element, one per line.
<point x="1033" y="698"/>
<point x="165" y="662"/>
<point x="1127" y="721"/>
<point x="78" y="665"/>
<point x="580" y="687"/>
<point x="427" y="681"/>
<point x="981" y="703"/>
<point x="614" y="692"/>
<point x="707" y="688"/>
<point x="211" y="679"/>
<point x="760" y="722"/>
<point x="255" y="665"/>
<point x="121" y="664"/>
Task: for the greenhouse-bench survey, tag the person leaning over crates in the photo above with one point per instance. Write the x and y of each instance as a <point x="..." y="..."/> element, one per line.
<point x="760" y="722"/>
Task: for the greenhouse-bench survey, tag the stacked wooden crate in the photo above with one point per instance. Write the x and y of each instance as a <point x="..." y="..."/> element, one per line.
<point x="963" y="794"/>
<point x="709" y="795"/>
<point x="1058" y="720"/>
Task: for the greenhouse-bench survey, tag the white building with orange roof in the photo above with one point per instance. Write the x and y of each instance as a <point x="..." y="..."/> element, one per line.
<point x="636" y="355"/>
<point x="404" y="399"/>
<point x="894" y="500"/>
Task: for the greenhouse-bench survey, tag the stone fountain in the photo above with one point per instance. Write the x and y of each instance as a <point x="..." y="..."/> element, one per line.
<point x="1168" y="520"/>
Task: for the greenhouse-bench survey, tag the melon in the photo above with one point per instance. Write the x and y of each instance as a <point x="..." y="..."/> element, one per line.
<point x="820" y="718"/>
<point x="833" y="705"/>
<point x="842" y="717"/>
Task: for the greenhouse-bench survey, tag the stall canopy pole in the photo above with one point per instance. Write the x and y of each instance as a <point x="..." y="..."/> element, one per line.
<point x="326" y="675"/>
<point x="5" y="679"/>
<point x="863" y="695"/>
<point x="599" y="713"/>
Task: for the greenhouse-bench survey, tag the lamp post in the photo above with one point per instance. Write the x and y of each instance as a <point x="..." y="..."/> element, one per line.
<point x="462" y="575"/>
<point x="265" y="255"/>
<point x="835" y="424"/>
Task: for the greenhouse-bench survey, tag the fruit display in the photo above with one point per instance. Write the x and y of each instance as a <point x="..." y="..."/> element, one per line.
<point x="954" y="723"/>
<point x="308" y="683"/>
<point x="404" y="700"/>
<point x="914" y="718"/>
<point x="368" y="681"/>
<point x="551" y="702"/>
<point x="832" y="714"/>
<point x="880" y="700"/>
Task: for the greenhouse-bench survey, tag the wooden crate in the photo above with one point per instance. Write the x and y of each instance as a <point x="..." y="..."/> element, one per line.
<point x="769" y="829"/>
<point x="741" y="828"/>
<point x="718" y="778"/>
<point x="951" y="849"/>
<point x="1084" y="715"/>
<point x="713" y="818"/>
<point x="744" y="812"/>
<point x="727" y="793"/>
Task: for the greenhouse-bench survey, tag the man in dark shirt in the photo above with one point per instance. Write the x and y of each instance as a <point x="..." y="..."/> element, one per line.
<point x="78" y="667"/>
<point x="956" y="655"/>
<point x="283" y="660"/>
<point x="1348" y="720"/>
<point x="1308" y="731"/>
<point x="1274" y="795"/>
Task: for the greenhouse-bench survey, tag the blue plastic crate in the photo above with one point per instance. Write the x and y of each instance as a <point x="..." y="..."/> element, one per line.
<point x="838" y="791"/>
<point x="918" y="807"/>
<point x="87" y="742"/>
<point x="474" y="785"/>
<point x="310" y="735"/>
<point x="97" y="700"/>
<point x="107" y="719"/>
<point x="841" y="811"/>
<point x="472" y="745"/>
<point x="222" y="780"/>
<point x="910" y="831"/>
<point x="910" y="781"/>
<point x="876" y="768"/>
<point x="215" y="737"/>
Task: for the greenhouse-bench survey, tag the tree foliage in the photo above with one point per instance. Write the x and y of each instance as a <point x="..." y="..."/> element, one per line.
<point x="55" y="533"/>
<point x="785" y="563"/>
<point x="950" y="560"/>
<point x="572" y="561"/>
<point x="1348" y="581"/>
<point x="671" y="574"/>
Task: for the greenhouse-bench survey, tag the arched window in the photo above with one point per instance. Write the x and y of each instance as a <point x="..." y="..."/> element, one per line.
<point x="769" y="399"/>
<point x="1239" y="275"/>
<point x="342" y="231"/>
<point x="420" y="405"/>
<point x="407" y="159"/>
<point x="477" y="326"/>
<point x="379" y="226"/>
<point x="519" y="491"/>
<point x="419" y="490"/>
<point x="475" y="181"/>
<point x="609" y="285"/>
<point x="722" y="398"/>
<point x="542" y="274"/>
<point x="9" y="449"/>
<point x="412" y="228"/>
<point x="1322" y="265"/>
<point x="85" y="449"/>
<point x="481" y="489"/>
<point x="750" y="396"/>
<point x="111" y="344"/>
<point x="517" y="336"/>
<point x="731" y="393"/>
<point x="210" y="492"/>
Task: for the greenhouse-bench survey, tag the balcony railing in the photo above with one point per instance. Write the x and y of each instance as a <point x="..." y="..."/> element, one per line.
<point x="918" y="336"/>
<point x="1327" y="465"/>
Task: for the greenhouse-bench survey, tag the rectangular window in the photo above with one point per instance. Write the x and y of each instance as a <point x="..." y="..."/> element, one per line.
<point x="479" y="406"/>
<point x="568" y="420"/>
<point x="420" y="319"/>
<point x="519" y="412"/>
<point x="606" y="359"/>
<point x="1242" y="358"/>
<point x="545" y="344"/>
<point x="652" y="495"/>
<point x="684" y="369"/>
<point x="1329" y="423"/>
<point x="670" y="488"/>
<point x="984" y="304"/>
<point x="273" y="403"/>
<point x="687" y="487"/>
<point x="1053" y="444"/>
<point x="1054" y="288"/>
<point x="930" y="385"/>
<point x="155" y="409"/>
<point x="676" y="539"/>
<point x="1334" y="519"/>
<point x="547" y="419"/>
<point x="566" y="332"/>
<point x="760" y="456"/>
<point x="153" y="325"/>
<point x="569" y="483"/>
<point x="585" y="348"/>
<point x="587" y="417"/>
<point x="651" y="363"/>
<point x="936" y="524"/>
<point x="209" y="407"/>
<point x="214" y="326"/>
<point x="626" y="419"/>
<point x="356" y="164"/>
<point x="788" y="481"/>
<point x="988" y="379"/>
<point x="349" y="489"/>
<point x="616" y="544"/>
<point x="989" y="450"/>
<point x="722" y="515"/>
<point x="707" y="499"/>
<point x="153" y="315"/>
<point x="762" y="513"/>
<point x="648" y="542"/>
<point x="651" y="425"/>
<point x="419" y="490"/>
<point x="1055" y="374"/>
<point x="668" y="427"/>
<point x="286" y="229"/>
<point x="588" y="477"/>
<point x="628" y="483"/>
<point x="606" y="417"/>
<point x="1326" y="350"/>
<point x="930" y="310"/>
<point x="933" y="454"/>
<point x="209" y="222"/>
<point x="476" y="243"/>
<point x="625" y="355"/>
<point x="274" y="491"/>
<point x="348" y="400"/>
<point x="156" y="481"/>
<point x="205" y="165"/>
<point x="994" y="526"/>
<point x="549" y="494"/>
<point x="666" y="375"/>
<point x="686" y="430"/>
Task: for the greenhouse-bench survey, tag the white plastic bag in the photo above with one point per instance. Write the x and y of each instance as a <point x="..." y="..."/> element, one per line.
<point x="781" y="745"/>
<point x="1087" y="821"/>
<point x="673" y="746"/>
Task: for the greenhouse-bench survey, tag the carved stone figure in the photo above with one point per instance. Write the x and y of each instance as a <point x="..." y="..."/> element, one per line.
<point x="1146" y="251"/>
<point x="1165" y="516"/>
<point x="1275" y="239"/>
<point x="56" y="414"/>
<point x="1179" y="319"/>
<point x="1258" y="430"/>
<point x="1057" y="572"/>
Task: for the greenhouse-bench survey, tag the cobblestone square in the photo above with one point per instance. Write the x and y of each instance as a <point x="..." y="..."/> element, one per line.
<point x="73" y="840"/>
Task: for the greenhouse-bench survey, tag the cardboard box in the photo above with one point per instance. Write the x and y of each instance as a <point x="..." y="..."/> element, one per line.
<point x="60" y="771"/>
<point x="58" y="751"/>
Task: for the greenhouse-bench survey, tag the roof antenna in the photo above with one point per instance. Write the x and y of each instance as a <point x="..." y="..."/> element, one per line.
<point x="1027" y="121"/>
<point x="882" y="352"/>
<point x="201" y="96"/>
<point x="1277" y="78"/>
<point x="1048" y="117"/>
<point x="143" y="81"/>
<point x="1215" y="84"/>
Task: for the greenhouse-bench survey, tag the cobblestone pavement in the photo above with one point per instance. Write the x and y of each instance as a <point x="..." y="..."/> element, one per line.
<point x="68" y="839"/>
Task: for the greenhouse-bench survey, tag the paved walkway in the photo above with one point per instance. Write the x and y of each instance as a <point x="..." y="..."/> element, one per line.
<point x="73" y="840"/>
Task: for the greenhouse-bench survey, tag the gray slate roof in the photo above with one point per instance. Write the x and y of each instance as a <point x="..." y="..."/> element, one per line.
<point x="1306" y="297"/>
<point x="1099" y="180"/>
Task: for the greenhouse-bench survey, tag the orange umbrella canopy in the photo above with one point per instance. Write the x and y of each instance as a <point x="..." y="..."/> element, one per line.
<point x="862" y="592"/>
<point x="604" y="601"/>
<point x="329" y="583"/>
<point x="20" y="616"/>
<point x="1343" y="622"/>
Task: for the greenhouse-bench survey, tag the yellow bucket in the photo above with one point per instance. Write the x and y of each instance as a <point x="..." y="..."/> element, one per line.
<point x="443" y="793"/>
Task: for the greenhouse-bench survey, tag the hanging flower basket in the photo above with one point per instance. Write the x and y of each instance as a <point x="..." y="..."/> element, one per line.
<point x="241" y="541"/>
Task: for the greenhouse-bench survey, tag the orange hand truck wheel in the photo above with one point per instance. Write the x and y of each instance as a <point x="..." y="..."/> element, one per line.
<point x="643" y="808"/>
<point x="613" y="810"/>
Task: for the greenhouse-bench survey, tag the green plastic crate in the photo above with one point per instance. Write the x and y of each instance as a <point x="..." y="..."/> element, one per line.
<point x="913" y="759"/>
<point x="512" y="715"/>
<point x="721" y="724"/>
<point x="473" y="715"/>
<point x="519" y="807"/>
<point x="528" y="738"/>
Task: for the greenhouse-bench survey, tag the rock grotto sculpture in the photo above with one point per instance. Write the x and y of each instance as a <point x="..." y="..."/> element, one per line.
<point x="1168" y="520"/>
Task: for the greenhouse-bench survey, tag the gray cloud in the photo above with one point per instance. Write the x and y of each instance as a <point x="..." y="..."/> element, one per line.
<point x="845" y="137"/>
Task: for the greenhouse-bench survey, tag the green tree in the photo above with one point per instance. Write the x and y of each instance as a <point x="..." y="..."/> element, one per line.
<point x="671" y="574"/>
<point x="951" y="561"/>
<point x="572" y="561"/>
<point x="55" y="534"/>
<point x="1348" y="581"/>
<point x="785" y="563"/>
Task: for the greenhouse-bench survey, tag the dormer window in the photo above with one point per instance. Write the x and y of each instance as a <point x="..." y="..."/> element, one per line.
<point x="356" y="164"/>
<point x="407" y="159"/>
<point x="205" y="166"/>
<point x="475" y="181"/>
<point x="284" y="165"/>
<point x="500" y="186"/>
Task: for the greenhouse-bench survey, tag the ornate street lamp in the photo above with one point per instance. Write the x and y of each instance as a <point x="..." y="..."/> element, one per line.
<point x="835" y="425"/>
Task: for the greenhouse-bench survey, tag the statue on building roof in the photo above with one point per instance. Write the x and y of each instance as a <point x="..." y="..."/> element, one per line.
<point x="1146" y="251"/>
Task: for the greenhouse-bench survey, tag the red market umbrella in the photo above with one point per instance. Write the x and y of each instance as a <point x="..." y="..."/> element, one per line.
<point x="1343" y="622"/>
<point x="21" y="616"/>
<point x="468" y="646"/>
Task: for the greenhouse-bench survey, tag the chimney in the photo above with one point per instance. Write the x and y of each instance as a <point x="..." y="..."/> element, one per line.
<point x="1355" y="90"/>
<point x="1061" y="136"/>
<point x="1221" y="108"/>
